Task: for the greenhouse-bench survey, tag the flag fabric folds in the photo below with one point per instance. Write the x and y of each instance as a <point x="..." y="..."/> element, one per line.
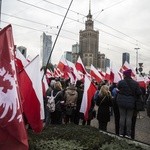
<point x="31" y="90"/>
<point x="89" y="91"/>
<point x="95" y="74"/>
<point x="12" y="130"/>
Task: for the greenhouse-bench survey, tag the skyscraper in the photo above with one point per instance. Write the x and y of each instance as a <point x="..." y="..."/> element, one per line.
<point x="89" y="43"/>
<point x="125" y="57"/>
<point x="46" y="47"/>
<point x="75" y="52"/>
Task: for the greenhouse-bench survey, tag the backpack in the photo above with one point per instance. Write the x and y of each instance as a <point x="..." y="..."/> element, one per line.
<point x="51" y="102"/>
<point x="71" y="97"/>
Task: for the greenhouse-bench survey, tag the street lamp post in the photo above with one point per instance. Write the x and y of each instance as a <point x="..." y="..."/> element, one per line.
<point x="137" y="59"/>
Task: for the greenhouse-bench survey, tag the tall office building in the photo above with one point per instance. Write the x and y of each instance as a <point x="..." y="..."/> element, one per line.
<point x="68" y="55"/>
<point x="107" y="62"/>
<point x="89" y="43"/>
<point x="75" y="52"/>
<point x="125" y="57"/>
<point x="46" y="47"/>
<point x="23" y="50"/>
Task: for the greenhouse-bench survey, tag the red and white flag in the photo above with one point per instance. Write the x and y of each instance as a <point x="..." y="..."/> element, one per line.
<point x="30" y="85"/>
<point x="101" y="73"/>
<point x="95" y="74"/>
<point x="63" y="67"/>
<point x="89" y="91"/>
<point x="74" y="71"/>
<point x="107" y="75"/>
<point x="21" y="61"/>
<point x="115" y="76"/>
<point x="12" y="129"/>
<point x="127" y="66"/>
<point x="80" y="67"/>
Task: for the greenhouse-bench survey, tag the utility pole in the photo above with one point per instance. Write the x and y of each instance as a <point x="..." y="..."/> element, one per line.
<point x="137" y="59"/>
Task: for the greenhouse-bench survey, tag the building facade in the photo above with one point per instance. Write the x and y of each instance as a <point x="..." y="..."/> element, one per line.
<point x="46" y="47"/>
<point x="89" y="43"/>
<point x="125" y="57"/>
<point x="75" y="52"/>
<point x="23" y="50"/>
<point x="68" y="56"/>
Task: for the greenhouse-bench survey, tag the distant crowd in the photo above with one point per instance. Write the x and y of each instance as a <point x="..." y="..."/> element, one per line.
<point x="63" y="99"/>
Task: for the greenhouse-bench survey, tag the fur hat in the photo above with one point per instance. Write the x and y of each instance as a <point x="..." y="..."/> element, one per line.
<point x="127" y="73"/>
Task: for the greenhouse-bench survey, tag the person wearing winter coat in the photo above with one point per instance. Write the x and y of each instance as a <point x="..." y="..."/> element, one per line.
<point x="56" y="116"/>
<point x="104" y="102"/>
<point x="128" y="91"/>
<point x="148" y="106"/>
<point x="70" y="98"/>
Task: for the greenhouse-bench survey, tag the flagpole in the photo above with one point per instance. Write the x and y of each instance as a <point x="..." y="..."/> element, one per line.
<point x="56" y="38"/>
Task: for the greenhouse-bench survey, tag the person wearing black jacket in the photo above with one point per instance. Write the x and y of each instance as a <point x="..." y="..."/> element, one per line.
<point x="129" y="90"/>
<point x="104" y="102"/>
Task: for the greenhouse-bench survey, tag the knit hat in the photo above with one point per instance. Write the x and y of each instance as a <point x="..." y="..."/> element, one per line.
<point x="127" y="73"/>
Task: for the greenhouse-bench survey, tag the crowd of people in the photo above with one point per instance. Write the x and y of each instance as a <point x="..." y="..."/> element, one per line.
<point x="116" y="98"/>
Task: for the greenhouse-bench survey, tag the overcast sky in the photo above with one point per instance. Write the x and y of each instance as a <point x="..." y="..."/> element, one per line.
<point x="123" y="26"/>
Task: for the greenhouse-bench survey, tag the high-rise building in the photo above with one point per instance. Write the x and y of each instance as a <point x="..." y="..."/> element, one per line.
<point x="46" y="47"/>
<point x="89" y="43"/>
<point x="23" y="50"/>
<point x="75" y="52"/>
<point x="107" y="62"/>
<point x="68" y="55"/>
<point x="125" y="57"/>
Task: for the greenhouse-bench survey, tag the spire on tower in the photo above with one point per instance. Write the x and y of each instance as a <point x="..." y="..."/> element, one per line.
<point x="89" y="16"/>
<point x="89" y="6"/>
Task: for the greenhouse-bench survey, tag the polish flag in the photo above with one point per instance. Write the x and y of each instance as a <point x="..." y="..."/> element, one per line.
<point x="80" y="67"/>
<point x="141" y="81"/>
<point x="107" y="75"/>
<point x="12" y="129"/>
<point x="95" y="74"/>
<point x="49" y="73"/>
<point x="74" y="70"/>
<point x="89" y="91"/>
<point x="101" y="73"/>
<point x="127" y="66"/>
<point x="114" y="75"/>
<point x="44" y="83"/>
<point x="63" y="67"/>
<point x="21" y="61"/>
<point x="31" y="90"/>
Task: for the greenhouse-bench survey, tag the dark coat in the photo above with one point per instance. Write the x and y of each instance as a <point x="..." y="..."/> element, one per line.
<point x="103" y="104"/>
<point x="129" y="90"/>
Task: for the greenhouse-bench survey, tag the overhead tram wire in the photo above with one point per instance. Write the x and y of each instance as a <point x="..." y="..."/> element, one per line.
<point x="57" y="37"/>
<point x="38" y="23"/>
<point x="63" y="7"/>
<point x="80" y="22"/>
<point x="97" y="20"/>
<point x="56" y="34"/>
<point x="109" y="7"/>
<point x="61" y="35"/>
<point x="45" y="9"/>
<point x="101" y="30"/>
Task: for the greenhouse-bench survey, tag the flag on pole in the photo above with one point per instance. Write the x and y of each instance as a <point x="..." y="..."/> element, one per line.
<point x="95" y="74"/>
<point x="80" y="67"/>
<point x="12" y="129"/>
<point x="127" y="66"/>
<point x="30" y="85"/>
<point x="89" y="91"/>
<point x="21" y="61"/>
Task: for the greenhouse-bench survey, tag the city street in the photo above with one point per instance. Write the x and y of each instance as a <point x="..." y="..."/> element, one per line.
<point x="142" y="130"/>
